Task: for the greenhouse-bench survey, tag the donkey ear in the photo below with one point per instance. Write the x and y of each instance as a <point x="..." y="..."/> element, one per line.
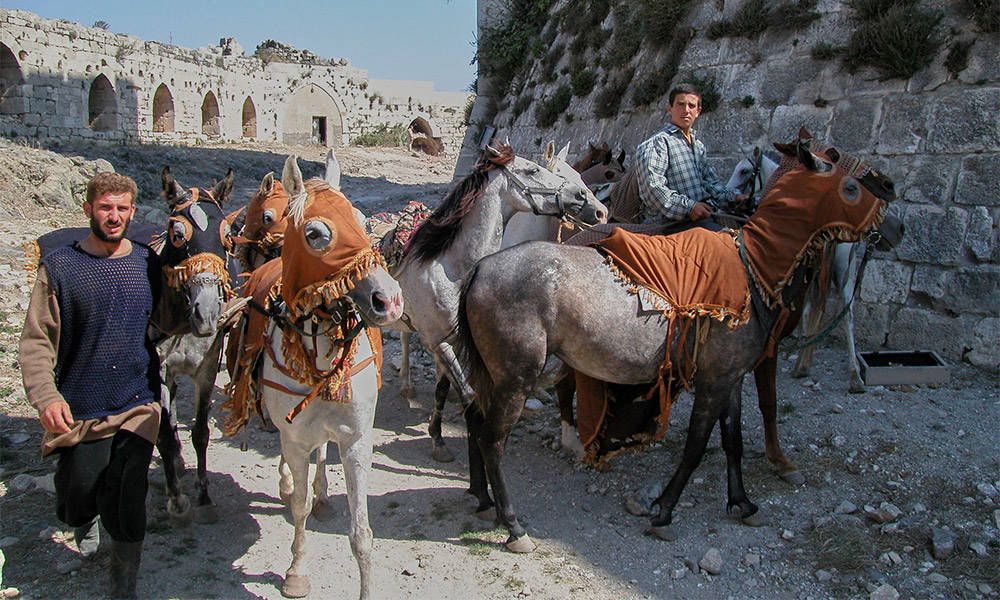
<point x="173" y="192"/>
<point x="291" y="178"/>
<point x="493" y="150"/>
<point x="804" y="133"/>
<point x="224" y="188"/>
<point x="332" y="176"/>
<point x="621" y="159"/>
<point x="807" y="158"/>
<point x="564" y="152"/>
<point x="550" y="151"/>
<point x="266" y="184"/>
<point x="786" y="149"/>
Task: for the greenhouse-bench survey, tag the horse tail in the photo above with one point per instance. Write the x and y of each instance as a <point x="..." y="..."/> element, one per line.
<point x="466" y="350"/>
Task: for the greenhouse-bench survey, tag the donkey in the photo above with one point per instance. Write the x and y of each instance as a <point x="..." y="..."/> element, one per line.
<point x="315" y="357"/>
<point x="199" y="277"/>
<point x="467" y="226"/>
<point x="589" y="311"/>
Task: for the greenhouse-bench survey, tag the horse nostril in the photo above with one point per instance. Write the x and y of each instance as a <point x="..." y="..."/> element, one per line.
<point x="379" y="302"/>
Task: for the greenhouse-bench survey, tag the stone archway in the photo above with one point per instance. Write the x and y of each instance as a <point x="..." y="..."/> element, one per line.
<point x="163" y="109"/>
<point x="210" y="121"/>
<point x="249" y="118"/>
<point x="12" y="102"/>
<point x="102" y="105"/>
<point x="312" y="116"/>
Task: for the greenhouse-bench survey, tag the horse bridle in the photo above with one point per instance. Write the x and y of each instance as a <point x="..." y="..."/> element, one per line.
<point x="755" y="166"/>
<point x="529" y="192"/>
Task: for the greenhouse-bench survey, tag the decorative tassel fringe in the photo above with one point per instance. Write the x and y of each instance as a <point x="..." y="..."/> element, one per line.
<point x="204" y="262"/>
<point x="334" y="286"/>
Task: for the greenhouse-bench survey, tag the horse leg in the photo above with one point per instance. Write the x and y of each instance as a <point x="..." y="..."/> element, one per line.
<point x="478" y="486"/>
<point x="356" y="457"/>
<point x="491" y="439"/>
<point x="294" y="466"/>
<point x="731" y="431"/>
<point x="406" y="387"/>
<point x="857" y="385"/>
<point x="169" y="446"/>
<point x="204" y="379"/>
<point x="565" y="390"/>
<point x="767" y="400"/>
<point x="440" y="452"/>
<point x="847" y="291"/>
<point x="321" y="502"/>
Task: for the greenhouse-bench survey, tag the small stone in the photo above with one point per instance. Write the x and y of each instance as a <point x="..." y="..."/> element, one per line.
<point x="69" y="566"/>
<point x="895" y="557"/>
<point x="937" y="578"/>
<point x="996" y="518"/>
<point x="712" y="561"/>
<point x="823" y="576"/>
<point x="7" y="541"/>
<point x="685" y="504"/>
<point x="11" y="592"/>
<point x="47" y="532"/>
<point x="18" y="438"/>
<point x="845" y="508"/>
<point x="884" y="558"/>
<point x="533" y="404"/>
<point x="985" y="589"/>
<point x="22" y="482"/>
<point x="918" y="508"/>
<point x="884" y="592"/>
<point x="942" y="542"/>
<point x="908" y="548"/>
<point x="891" y="509"/>
<point x="838" y="441"/>
<point x="986" y="489"/>
<point x="786" y="534"/>
<point x="679" y="573"/>
<point x="752" y="560"/>
<point x="978" y="547"/>
<point x="526" y="590"/>
<point x="46" y="483"/>
<point x="837" y="409"/>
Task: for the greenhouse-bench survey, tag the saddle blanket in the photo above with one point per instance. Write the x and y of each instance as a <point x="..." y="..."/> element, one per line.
<point x="389" y="233"/>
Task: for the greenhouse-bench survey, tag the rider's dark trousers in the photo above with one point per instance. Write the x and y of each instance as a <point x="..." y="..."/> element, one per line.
<point x="106" y="477"/>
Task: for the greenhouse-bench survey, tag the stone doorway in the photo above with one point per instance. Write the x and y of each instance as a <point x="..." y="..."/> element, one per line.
<point x="102" y="106"/>
<point x="319" y="130"/>
<point x="11" y="79"/>
<point x="249" y="119"/>
<point x="210" y="125"/>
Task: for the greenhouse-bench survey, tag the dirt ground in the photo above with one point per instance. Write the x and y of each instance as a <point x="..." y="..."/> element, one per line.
<point x="933" y="453"/>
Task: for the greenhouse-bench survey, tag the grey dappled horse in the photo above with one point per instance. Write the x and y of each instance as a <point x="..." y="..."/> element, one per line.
<point x="525" y="303"/>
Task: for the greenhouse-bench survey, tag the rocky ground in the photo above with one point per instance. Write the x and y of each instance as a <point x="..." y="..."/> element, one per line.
<point x="901" y="495"/>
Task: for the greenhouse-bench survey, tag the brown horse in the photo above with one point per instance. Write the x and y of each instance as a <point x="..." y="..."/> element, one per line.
<point x="586" y="308"/>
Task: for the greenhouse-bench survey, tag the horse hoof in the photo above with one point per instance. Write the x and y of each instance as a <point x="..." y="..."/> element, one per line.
<point x="295" y="586"/>
<point x="799" y="373"/>
<point x="635" y="507"/>
<point x="487" y="514"/>
<point x="754" y="520"/>
<point x="667" y="533"/>
<point x="857" y="388"/>
<point x="521" y="545"/>
<point x="206" y="514"/>
<point x="179" y="512"/>
<point x="442" y="454"/>
<point x="793" y="477"/>
<point x="322" y="511"/>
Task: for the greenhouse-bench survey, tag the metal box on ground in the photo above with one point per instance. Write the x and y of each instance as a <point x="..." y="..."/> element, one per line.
<point x="899" y="368"/>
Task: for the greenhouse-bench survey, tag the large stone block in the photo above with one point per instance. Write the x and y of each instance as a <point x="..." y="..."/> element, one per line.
<point x="904" y="125"/>
<point x="871" y="325"/>
<point x="796" y="81"/>
<point x="978" y="180"/>
<point x="969" y="290"/>
<point x="786" y="121"/>
<point x="923" y="329"/>
<point x="730" y="128"/>
<point x="886" y="281"/>
<point x="927" y="178"/>
<point x="966" y="121"/>
<point x="933" y="235"/>
<point x="983" y="64"/>
<point x="855" y="122"/>
<point x="980" y="236"/>
<point x="985" y="351"/>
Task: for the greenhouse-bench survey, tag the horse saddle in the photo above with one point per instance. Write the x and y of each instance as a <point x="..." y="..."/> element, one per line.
<point x="390" y="233"/>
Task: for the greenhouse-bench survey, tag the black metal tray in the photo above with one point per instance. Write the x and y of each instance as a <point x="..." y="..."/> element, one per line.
<point x="903" y="367"/>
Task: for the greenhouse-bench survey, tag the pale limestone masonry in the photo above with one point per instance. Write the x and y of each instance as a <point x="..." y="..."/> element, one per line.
<point x="937" y="136"/>
<point x="65" y="81"/>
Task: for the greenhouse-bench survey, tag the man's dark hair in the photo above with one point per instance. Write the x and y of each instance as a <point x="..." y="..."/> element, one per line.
<point x="110" y="183"/>
<point x="684" y="88"/>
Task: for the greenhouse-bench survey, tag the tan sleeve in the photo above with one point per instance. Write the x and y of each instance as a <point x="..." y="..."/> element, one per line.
<point x="40" y="343"/>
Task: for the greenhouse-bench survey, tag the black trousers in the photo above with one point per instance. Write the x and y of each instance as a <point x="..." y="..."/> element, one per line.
<point x="109" y="478"/>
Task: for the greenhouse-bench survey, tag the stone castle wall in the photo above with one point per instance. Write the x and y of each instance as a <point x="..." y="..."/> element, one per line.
<point x="937" y="135"/>
<point x="65" y="81"/>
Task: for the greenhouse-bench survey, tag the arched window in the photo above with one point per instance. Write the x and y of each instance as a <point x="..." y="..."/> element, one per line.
<point x="249" y="119"/>
<point x="11" y="80"/>
<point x="163" y="109"/>
<point x="102" y="107"/>
<point x="210" y="124"/>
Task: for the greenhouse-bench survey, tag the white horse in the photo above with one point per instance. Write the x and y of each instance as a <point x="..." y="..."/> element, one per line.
<point x="468" y="225"/>
<point x="374" y="298"/>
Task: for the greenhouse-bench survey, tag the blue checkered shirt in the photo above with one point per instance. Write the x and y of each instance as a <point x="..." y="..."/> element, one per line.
<point x="673" y="175"/>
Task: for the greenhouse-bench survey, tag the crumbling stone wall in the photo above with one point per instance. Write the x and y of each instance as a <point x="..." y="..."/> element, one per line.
<point x="936" y="134"/>
<point x="65" y="81"/>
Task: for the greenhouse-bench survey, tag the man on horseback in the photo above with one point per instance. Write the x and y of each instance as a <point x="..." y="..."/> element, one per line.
<point x="94" y="376"/>
<point x="676" y="183"/>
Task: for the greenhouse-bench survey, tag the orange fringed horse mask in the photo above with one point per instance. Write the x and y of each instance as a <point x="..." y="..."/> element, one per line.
<point x="266" y="222"/>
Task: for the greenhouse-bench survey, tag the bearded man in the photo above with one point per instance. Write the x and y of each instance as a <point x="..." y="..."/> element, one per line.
<point x="94" y="376"/>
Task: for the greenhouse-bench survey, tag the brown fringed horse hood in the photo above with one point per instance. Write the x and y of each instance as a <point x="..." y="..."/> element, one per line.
<point x="266" y="222"/>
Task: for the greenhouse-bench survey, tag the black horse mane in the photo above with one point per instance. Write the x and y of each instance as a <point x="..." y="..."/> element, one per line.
<point x="439" y="231"/>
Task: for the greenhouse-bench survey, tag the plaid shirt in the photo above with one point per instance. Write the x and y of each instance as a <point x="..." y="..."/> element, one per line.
<point x="673" y="175"/>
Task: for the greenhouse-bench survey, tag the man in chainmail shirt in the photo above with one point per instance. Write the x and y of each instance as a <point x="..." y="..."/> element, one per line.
<point x="676" y="183"/>
<point x="93" y="375"/>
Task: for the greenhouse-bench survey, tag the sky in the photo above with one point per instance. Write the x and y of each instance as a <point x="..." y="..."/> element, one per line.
<point x="422" y="40"/>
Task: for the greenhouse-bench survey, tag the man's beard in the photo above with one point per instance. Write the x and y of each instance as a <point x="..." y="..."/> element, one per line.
<point x="95" y="227"/>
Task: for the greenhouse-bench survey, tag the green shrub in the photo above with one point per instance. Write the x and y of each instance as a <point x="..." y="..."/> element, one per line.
<point x="825" y="51"/>
<point x="596" y="38"/>
<point x="748" y="101"/>
<point x="958" y="56"/>
<point x="583" y="82"/>
<point x="609" y="99"/>
<point x="710" y="96"/>
<point x="384" y="136"/>
<point x="468" y="109"/>
<point x="755" y="17"/>
<point x="986" y="14"/>
<point x="624" y="44"/>
<point x="900" y="43"/>
<point x="873" y="10"/>
<point x="550" y="109"/>
<point x="522" y="104"/>
<point x="553" y="57"/>
<point x="660" y="18"/>
<point x="579" y="45"/>
<point x="502" y="50"/>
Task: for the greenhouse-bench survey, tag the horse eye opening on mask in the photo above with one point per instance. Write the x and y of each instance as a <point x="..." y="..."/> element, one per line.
<point x="850" y="190"/>
<point x="319" y="235"/>
<point x="180" y="231"/>
<point x="268" y="217"/>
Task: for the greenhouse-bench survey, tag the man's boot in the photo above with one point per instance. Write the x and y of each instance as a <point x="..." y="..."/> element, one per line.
<point x="125" y="557"/>
<point x="88" y="538"/>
